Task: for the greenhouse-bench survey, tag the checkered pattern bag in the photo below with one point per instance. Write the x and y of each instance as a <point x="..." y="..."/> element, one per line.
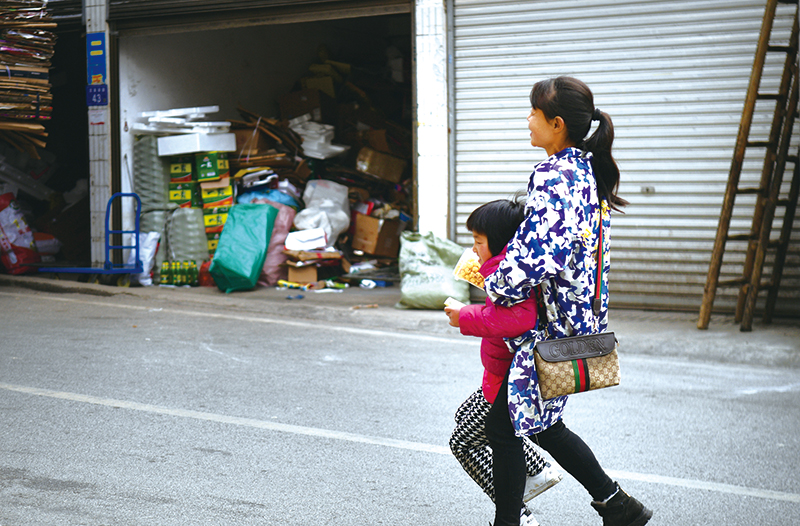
<point x="578" y="363"/>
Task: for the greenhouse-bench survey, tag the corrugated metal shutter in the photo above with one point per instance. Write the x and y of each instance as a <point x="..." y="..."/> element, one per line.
<point x="67" y="13"/>
<point x="158" y="15"/>
<point x="673" y="75"/>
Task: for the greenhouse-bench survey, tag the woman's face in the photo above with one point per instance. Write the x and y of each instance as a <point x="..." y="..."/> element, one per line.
<point x="544" y="131"/>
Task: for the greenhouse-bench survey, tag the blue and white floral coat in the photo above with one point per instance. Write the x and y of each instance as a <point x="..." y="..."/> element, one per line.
<point x="555" y="246"/>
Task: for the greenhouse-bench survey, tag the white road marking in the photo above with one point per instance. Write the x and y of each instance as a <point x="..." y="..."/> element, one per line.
<point x="263" y="319"/>
<point x="379" y="441"/>
<point x="771" y="389"/>
<point x="225" y="419"/>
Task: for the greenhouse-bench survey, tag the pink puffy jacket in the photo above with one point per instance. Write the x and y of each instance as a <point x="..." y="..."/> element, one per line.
<point x="493" y="323"/>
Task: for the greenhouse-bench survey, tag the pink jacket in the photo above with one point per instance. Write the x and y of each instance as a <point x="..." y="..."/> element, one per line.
<point x="493" y="323"/>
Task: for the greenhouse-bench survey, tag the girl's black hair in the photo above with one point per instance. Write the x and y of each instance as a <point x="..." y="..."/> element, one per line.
<point x="572" y="100"/>
<point x="498" y="221"/>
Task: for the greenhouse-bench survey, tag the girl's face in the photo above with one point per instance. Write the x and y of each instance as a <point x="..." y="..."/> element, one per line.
<point x="480" y="245"/>
<point x="545" y="132"/>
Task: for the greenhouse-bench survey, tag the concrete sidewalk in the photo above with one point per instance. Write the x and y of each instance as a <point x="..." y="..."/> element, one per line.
<point x="657" y="333"/>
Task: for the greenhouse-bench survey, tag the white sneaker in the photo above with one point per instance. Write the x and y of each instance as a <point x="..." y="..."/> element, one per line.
<point x="544" y="480"/>
<point x="526" y="518"/>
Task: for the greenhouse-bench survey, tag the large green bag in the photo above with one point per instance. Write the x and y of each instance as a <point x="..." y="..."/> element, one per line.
<point x="242" y="247"/>
<point x="426" y="272"/>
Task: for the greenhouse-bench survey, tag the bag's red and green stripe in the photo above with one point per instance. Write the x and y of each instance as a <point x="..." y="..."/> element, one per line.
<point x="581" y="371"/>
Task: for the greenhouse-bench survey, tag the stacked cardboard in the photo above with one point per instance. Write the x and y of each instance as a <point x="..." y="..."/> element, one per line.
<point x="26" y="50"/>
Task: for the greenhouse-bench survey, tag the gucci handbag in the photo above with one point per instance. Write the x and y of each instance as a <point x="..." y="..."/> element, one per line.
<point x="578" y="363"/>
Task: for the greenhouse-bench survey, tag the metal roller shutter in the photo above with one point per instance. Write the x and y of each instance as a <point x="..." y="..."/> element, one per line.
<point x="68" y="14"/>
<point x="673" y="75"/>
<point x="152" y="16"/>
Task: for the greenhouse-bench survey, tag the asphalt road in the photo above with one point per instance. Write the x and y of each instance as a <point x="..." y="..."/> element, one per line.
<point x="121" y="411"/>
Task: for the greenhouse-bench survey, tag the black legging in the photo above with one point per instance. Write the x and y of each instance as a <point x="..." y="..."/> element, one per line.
<point x="566" y="448"/>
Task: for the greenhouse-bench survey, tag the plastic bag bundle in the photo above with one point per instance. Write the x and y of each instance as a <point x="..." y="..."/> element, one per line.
<point x="17" y="245"/>
<point x="242" y="247"/>
<point x="148" y="243"/>
<point x="426" y="272"/>
<point x="327" y="207"/>
<point x="274" y="267"/>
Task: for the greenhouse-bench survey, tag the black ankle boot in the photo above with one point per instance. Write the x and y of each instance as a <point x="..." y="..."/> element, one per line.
<point x="622" y="510"/>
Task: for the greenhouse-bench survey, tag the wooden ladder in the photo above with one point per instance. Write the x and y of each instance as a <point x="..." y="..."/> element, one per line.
<point x="768" y="192"/>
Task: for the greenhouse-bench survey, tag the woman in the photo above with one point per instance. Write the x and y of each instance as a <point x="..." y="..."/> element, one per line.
<point x="555" y="247"/>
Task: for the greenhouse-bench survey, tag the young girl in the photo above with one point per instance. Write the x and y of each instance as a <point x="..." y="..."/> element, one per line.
<point x="492" y="226"/>
<point x="569" y="197"/>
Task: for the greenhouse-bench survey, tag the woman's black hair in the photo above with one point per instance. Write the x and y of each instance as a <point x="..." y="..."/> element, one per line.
<point x="572" y="100"/>
<point x="498" y="221"/>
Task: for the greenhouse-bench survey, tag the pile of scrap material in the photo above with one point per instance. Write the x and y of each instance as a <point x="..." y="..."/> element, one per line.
<point x="268" y="143"/>
<point x="26" y="50"/>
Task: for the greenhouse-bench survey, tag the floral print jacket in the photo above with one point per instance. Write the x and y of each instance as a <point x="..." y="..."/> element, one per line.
<point x="555" y="247"/>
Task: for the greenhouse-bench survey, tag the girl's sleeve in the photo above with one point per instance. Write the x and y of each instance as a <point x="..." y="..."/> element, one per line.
<point x="495" y="321"/>
<point x="541" y="246"/>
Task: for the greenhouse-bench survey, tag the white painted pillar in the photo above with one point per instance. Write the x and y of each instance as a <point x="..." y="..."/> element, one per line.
<point x="98" y="115"/>
<point x="430" y="40"/>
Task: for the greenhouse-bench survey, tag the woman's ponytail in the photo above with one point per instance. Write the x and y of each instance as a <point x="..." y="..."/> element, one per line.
<point x="606" y="171"/>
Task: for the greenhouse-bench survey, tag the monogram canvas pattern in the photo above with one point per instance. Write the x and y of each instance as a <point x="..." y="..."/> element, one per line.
<point x="558" y="378"/>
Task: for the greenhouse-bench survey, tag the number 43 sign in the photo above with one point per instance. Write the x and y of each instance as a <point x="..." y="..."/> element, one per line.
<point x="97" y="95"/>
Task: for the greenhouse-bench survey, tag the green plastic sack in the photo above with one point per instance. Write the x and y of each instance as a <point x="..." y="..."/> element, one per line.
<point x="426" y="265"/>
<point x="242" y="247"/>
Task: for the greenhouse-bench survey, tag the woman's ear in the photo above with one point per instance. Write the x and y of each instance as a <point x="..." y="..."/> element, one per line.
<point x="559" y="124"/>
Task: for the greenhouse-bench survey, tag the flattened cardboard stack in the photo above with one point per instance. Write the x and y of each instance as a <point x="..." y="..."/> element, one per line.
<point x="26" y="51"/>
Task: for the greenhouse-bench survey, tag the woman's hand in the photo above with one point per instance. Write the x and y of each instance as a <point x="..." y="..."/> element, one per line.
<point x="452" y="313"/>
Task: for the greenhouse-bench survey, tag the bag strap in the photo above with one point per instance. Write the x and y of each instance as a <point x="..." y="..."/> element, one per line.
<point x="597" y="302"/>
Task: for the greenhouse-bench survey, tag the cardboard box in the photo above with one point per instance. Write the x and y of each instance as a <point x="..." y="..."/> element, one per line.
<point x="321" y="106"/>
<point x="211" y="166"/>
<point x="184" y="194"/>
<point x="214" y="218"/>
<point x="215" y="194"/>
<point x="380" y="237"/>
<point x="251" y="141"/>
<point x="383" y="142"/>
<point x="181" y="169"/>
<point x="301" y="256"/>
<point x="381" y="165"/>
<point x="302" y="274"/>
<point x="307" y="272"/>
<point x="212" y="240"/>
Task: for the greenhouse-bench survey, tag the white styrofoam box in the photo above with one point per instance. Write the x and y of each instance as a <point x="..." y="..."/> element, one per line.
<point x="196" y="142"/>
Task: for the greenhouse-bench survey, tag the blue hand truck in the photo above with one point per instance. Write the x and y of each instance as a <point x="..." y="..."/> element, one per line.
<point x="109" y="267"/>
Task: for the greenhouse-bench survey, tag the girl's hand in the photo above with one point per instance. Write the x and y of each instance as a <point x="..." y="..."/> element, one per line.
<point x="452" y="313"/>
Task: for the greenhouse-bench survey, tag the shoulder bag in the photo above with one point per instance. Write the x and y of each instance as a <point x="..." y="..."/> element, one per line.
<point x="578" y="363"/>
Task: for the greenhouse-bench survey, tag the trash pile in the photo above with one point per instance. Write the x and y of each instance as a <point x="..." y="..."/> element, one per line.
<point x="333" y="166"/>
